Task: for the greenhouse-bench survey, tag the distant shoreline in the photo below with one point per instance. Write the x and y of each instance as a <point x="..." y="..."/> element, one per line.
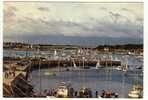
<point x="45" y="47"/>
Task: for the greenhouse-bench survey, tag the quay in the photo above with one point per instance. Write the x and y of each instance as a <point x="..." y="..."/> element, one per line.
<point x="34" y="63"/>
<point x="15" y="82"/>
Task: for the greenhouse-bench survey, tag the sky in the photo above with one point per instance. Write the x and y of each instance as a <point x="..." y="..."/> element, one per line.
<point x="73" y="23"/>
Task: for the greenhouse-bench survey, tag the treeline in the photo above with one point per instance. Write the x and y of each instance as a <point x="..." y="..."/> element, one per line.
<point x="47" y="46"/>
<point x="125" y="46"/>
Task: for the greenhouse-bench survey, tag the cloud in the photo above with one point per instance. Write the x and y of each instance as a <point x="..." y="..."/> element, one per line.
<point x="125" y="9"/>
<point x="9" y="11"/>
<point x="13" y="8"/>
<point x="139" y="19"/>
<point x="114" y="16"/>
<point x="9" y="15"/>
<point x="43" y="9"/>
<point x="103" y="8"/>
<point x="75" y="20"/>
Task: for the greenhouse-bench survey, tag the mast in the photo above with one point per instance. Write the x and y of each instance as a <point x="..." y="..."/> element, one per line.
<point x="123" y="76"/>
<point x="40" y="87"/>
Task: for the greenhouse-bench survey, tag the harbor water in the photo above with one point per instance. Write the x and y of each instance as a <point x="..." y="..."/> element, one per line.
<point x="95" y="79"/>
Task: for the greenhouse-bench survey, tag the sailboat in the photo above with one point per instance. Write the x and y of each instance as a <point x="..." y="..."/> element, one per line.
<point x="125" y="68"/>
<point x="55" y="55"/>
<point x="98" y="65"/>
<point x="119" y="68"/>
<point x="74" y="64"/>
<point x="84" y="66"/>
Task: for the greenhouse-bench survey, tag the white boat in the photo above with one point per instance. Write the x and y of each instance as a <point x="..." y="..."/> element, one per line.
<point x="133" y="95"/>
<point x="49" y="74"/>
<point x="135" y="92"/>
<point x="98" y="64"/>
<point x="55" y="56"/>
<point x="118" y="68"/>
<point x="74" y="64"/>
<point x="124" y="70"/>
<point x="63" y="90"/>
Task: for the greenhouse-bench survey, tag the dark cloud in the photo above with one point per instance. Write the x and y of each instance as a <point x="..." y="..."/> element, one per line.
<point x="43" y="9"/>
<point x="74" y="40"/>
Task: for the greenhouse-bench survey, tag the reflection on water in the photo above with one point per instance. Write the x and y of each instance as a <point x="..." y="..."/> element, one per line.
<point x="95" y="79"/>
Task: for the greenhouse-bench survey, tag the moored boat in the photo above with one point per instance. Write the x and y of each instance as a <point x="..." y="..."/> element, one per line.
<point x="63" y="90"/>
<point x="135" y="92"/>
<point x="85" y="92"/>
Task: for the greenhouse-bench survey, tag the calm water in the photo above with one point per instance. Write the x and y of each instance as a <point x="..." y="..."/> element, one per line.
<point x="96" y="79"/>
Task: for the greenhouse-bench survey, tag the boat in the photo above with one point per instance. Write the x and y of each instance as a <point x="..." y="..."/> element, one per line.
<point x="74" y="64"/>
<point x="139" y="67"/>
<point x="119" y="68"/>
<point x="85" y="92"/>
<point x="48" y="73"/>
<point x="55" y="55"/>
<point x="108" y="94"/>
<point x="124" y="70"/>
<point x="98" y="64"/>
<point x="135" y="92"/>
<point x="133" y="95"/>
<point x="63" y="90"/>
